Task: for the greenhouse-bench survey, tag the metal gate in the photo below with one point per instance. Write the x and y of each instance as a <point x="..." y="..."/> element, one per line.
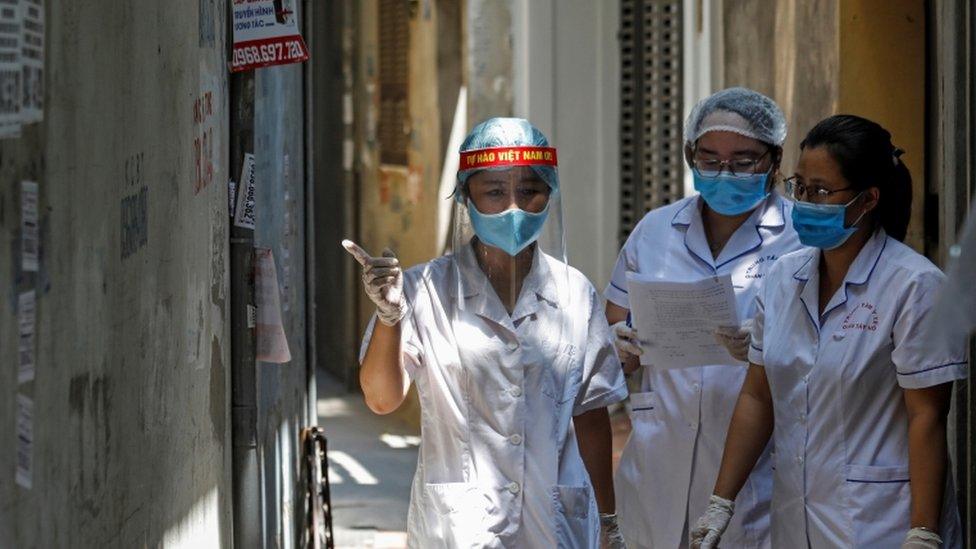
<point x="651" y="88"/>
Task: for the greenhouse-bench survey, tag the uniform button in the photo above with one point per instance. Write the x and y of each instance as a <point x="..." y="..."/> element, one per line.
<point x="514" y="487"/>
<point x="696" y="387"/>
<point x="803" y="417"/>
<point x="838" y="335"/>
<point x="516" y="392"/>
<point x="693" y="424"/>
<point x="799" y="459"/>
<point x="515" y="439"/>
<point x="806" y="378"/>
<point x="513" y="345"/>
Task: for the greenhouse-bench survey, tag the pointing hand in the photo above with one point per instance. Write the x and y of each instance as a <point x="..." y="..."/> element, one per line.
<point x="383" y="280"/>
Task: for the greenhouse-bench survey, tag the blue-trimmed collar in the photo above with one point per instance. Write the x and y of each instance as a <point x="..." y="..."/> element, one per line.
<point x="809" y="267"/>
<point x="867" y="259"/>
<point x="859" y="273"/>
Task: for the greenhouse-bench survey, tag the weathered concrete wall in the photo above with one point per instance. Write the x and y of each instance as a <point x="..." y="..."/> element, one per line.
<point x="818" y="58"/>
<point x="131" y="407"/>
<point x="787" y="49"/>
<point x="397" y="205"/>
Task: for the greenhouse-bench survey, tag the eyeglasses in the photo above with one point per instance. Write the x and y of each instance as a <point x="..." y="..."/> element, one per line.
<point x="737" y="167"/>
<point x="797" y="190"/>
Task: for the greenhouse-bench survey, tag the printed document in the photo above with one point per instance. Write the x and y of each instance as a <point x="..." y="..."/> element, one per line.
<point x="676" y="321"/>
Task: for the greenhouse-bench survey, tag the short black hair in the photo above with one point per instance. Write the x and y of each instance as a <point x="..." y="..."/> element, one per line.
<point x="867" y="158"/>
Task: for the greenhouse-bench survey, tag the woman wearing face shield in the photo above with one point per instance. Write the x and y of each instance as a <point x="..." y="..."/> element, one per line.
<point x="512" y="358"/>
<point x="735" y="226"/>
<point x="841" y="376"/>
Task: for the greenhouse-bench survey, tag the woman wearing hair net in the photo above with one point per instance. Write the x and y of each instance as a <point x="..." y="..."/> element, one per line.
<point x="512" y="359"/>
<point x="735" y="226"/>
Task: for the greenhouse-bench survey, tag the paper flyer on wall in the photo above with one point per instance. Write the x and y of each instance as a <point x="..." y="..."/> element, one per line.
<point x="29" y="232"/>
<point x="265" y="34"/>
<point x="32" y="61"/>
<point x="26" y="321"/>
<point x="11" y="90"/>
<point x="24" y="472"/>
<point x="244" y="211"/>
<point x="272" y="345"/>
<point x="231" y="197"/>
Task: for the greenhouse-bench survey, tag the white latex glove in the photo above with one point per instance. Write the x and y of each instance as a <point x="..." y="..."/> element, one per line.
<point x="920" y="538"/>
<point x="625" y="340"/>
<point x="710" y="526"/>
<point x="383" y="280"/>
<point x="610" y="536"/>
<point x="736" y="339"/>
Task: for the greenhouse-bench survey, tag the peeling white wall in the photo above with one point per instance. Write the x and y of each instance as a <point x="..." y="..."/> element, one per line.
<point x="566" y="81"/>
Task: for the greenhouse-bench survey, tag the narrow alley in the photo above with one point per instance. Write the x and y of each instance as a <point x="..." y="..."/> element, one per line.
<point x="627" y="271"/>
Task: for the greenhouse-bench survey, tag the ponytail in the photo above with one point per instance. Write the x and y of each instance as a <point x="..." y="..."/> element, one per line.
<point x="895" y="206"/>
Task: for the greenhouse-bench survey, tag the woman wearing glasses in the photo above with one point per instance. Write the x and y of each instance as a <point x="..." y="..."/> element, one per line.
<point x="735" y="226"/>
<point x="855" y="397"/>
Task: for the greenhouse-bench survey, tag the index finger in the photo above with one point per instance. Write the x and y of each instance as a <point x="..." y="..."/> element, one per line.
<point x="360" y="254"/>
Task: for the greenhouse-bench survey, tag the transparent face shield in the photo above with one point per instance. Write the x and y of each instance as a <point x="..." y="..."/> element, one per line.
<point x="508" y="245"/>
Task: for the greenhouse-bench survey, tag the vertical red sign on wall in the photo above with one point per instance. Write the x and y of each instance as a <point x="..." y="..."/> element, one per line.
<point x="266" y="34"/>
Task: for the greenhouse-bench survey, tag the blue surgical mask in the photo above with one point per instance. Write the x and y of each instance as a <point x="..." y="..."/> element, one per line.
<point x="730" y="195"/>
<point x="822" y="225"/>
<point x="512" y="230"/>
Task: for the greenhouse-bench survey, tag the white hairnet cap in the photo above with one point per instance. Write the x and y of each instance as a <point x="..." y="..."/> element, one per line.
<point x="737" y="110"/>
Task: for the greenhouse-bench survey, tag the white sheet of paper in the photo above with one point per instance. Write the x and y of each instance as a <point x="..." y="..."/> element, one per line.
<point x="272" y="343"/>
<point x="11" y="87"/>
<point x="32" y="59"/>
<point x="677" y="320"/>
<point x="26" y="319"/>
<point x="24" y="471"/>
<point x="29" y="231"/>
<point x="244" y="212"/>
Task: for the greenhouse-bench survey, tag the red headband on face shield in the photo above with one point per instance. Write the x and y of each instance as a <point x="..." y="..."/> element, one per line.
<point x="507" y="156"/>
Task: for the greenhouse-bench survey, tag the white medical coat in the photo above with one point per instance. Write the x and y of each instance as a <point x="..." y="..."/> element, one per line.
<point x="499" y="464"/>
<point x="841" y="427"/>
<point x="668" y="468"/>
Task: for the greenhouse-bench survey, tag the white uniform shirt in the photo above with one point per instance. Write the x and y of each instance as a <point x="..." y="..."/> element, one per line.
<point x="841" y="427"/>
<point x="668" y="468"/>
<point x="499" y="465"/>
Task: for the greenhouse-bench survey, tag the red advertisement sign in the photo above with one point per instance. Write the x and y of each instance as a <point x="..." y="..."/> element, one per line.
<point x="265" y="34"/>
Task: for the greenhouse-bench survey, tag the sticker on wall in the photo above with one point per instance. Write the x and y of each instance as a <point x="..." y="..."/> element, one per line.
<point x="11" y="87"/>
<point x="266" y="34"/>
<point x="272" y="345"/>
<point x="231" y="197"/>
<point x="29" y="233"/>
<point x="244" y="211"/>
<point x="26" y="321"/>
<point x="25" y="442"/>
<point x="32" y="61"/>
